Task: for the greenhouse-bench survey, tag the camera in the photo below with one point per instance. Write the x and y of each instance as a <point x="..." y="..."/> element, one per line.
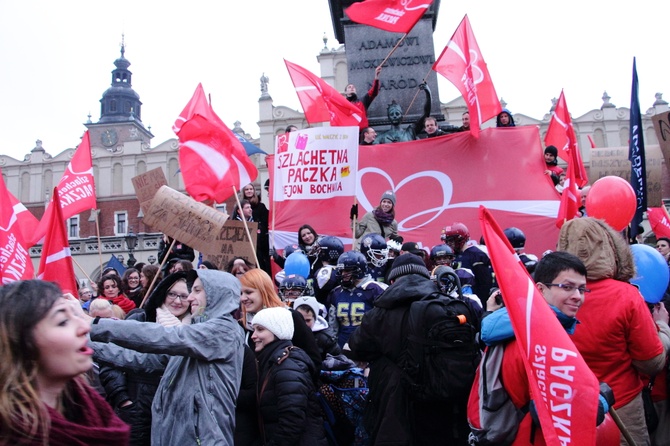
<point x="499" y="296"/>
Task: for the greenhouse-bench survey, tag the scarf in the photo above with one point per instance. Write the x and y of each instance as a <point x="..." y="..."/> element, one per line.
<point x="383" y="218"/>
<point x="91" y="421"/>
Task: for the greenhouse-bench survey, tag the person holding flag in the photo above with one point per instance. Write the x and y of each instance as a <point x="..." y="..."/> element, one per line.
<point x="363" y="104"/>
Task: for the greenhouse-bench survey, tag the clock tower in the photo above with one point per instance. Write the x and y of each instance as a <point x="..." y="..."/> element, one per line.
<point x="120" y="113"/>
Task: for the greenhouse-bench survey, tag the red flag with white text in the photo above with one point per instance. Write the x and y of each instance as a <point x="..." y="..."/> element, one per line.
<point x="197" y="105"/>
<point x="76" y="188"/>
<point x="397" y="16"/>
<point x="212" y="160"/>
<point x="15" y="263"/>
<point x="564" y="389"/>
<point x="56" y="261"/>
<point x="570" y="198"/>
<point x="659" y="221"/>
<point x="27" y="221"/>
<point x="561" y="135"/>
<point x="321" y="102"/>
<point x="462" y="63"/>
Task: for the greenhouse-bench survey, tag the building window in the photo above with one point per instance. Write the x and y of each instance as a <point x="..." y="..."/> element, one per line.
<point x="73" y="227"/>
<point x="120" y="223"/>
<point x="112" y="106"/>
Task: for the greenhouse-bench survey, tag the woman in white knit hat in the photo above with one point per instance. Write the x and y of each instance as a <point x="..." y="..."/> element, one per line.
<point x="288" y="408"/>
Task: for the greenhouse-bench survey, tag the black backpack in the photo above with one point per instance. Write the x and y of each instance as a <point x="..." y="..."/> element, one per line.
<point x="441" y="352"/>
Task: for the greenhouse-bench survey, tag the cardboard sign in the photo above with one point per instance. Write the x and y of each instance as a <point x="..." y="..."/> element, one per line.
<point x="147" y="184"/>
<point x="662" y="127"/>
<point x="614" y="161"/>
<point x="233" y="242"/>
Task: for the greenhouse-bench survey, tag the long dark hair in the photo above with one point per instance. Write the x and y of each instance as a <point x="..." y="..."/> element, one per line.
<point x="316" y="236"/>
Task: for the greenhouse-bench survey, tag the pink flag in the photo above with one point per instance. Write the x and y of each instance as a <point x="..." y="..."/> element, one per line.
<point x="561" y="135"/>
<point x="570" y="198"/>
<point x="397" y="16"/>
<point x="56" y="261"/>
<point x="564" y="389"/>
<point x="76" y="188"/>
<point x="15" y="263"/>
<point x="659" y="221"/>
<point x="321" y="102"/>
<point x="212" y="160"/>
<point x="462" y="63"/>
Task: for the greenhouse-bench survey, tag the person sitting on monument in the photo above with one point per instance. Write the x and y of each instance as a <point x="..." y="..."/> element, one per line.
<point x="395" y="115"/>
<point x="466" y="122"/>
<point x="430" y="129"/>
<point x="369" y="136"/>
<point x="363" y="104"/>
<point x="505" y="119"/>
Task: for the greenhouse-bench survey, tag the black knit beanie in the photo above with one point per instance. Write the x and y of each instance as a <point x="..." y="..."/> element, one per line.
<point x="408" y="264"/>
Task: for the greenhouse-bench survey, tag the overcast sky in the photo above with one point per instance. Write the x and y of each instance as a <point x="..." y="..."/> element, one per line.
<point x="58" y="57"/>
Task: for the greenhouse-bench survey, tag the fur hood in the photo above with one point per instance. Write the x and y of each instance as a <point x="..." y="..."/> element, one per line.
<point x="603" y="250"/>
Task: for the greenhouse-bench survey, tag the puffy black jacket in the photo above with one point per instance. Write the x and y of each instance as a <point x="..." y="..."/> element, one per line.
<point x="290" y="413"/>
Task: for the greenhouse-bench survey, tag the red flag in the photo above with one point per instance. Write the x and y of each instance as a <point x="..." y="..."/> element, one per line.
<point x="27" y="221"/>
<point x="462" y="63"/>
<point x="198" y="105"/>
<point x="76" y="188"/>
<point x="570" y="199"/>
<point x="561" y="134"/>
<point x="396" y="16"/>
<point x="15" y="263"/>
<point x="56" y="261"/>
<point x="564" y="389"/>
<point x="212" y="160"/>
<point x="321" y="102"/>
<point x="591" y="141"/>
<point x="659" y="221"/>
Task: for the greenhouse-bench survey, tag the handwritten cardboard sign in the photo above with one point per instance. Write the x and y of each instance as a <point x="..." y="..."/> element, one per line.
<point x="614" y="161"/>
<point x="233" y="242"/>
<point x="147" y="184"/>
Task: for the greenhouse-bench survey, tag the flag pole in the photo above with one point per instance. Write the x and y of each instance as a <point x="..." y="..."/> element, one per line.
<point x="353" y="226"/>
<point x="158" y="273"/>
<point x="621" y="426"/>
<point x="246" y="227"/>
<point x="97" y="231"/>
<point x="425" y="79"/>
<point x="82" y="269"/>
<point x="393" y="49"/>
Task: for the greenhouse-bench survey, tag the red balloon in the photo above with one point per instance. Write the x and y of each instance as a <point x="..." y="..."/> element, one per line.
<point x="612" y="199"/>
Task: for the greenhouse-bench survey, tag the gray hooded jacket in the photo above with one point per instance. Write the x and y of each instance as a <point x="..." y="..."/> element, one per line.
<point x="195" y="402"/>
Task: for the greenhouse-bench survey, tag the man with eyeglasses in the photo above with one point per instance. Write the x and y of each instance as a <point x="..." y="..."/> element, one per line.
<point x="617" y="335"/>
<point x="561" y="278"/>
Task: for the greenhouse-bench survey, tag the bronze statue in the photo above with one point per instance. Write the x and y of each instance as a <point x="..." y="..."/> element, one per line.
<point x="395" y="115"/>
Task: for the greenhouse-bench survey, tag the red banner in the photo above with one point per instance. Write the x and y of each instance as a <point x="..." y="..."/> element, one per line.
<point x="463" y="64"/>
<point x="76" y="188"/>
<point x="659" y="221"/>
<point x="15" y="263"/>
<point x="438" y="181"/>
<point x="563" y="387"/>
<point x="397" y="16"/>
<point x="56" y="261"/>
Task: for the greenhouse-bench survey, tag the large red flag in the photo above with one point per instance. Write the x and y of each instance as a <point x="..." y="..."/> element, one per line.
<point x="397" y="16"/>
<point x="564" y="389"/>
<point x="463" y="64"/>
<point x="321" y="102"/>
<point x="659" y="221"/>
<point x="76" y="188"/>
<point x="570" y="199"/>
<point x="27" y="221"/>
<point x="56" y="261"/>
<point x="561" y="135"/>
<point x="212" y="160"/>
<point x="15" y="263"/>
<point x="198" y="105"/>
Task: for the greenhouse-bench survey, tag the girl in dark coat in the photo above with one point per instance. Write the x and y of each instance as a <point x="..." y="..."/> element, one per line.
<point x="289" y="410"/>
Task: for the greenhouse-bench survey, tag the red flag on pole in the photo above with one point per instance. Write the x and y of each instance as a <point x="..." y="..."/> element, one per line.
<point x="76" y="188"/>
<point x="212" y="160"/>
<point x="659" y="221"/>
<point x="15" y="263"/>
<point x="462" y="63"/>
<point x="564" y="389"/>
<point x="321" y="102"/>
<point x="27" y="221"/>
<point x="56" y="261"/>
<point x="397" y="16"/>
<point x="570" y="199"/>
<point x="561" y="134"/>
<point x="198" y="105"/>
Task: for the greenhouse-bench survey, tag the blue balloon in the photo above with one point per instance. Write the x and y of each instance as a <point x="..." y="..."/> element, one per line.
<point x="652" y="273"/>
<point x="297" y="263"/>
